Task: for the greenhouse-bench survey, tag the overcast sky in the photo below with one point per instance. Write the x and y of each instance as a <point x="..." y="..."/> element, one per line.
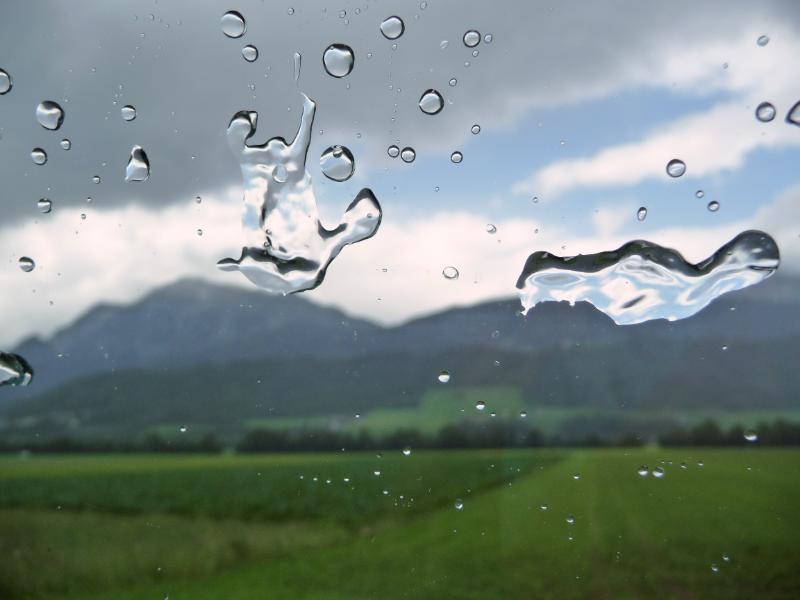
<point x="580" y="104"/>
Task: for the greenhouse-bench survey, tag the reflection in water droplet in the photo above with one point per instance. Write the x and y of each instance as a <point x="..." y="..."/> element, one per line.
<point x="392" y="28"/>
<point x="476" y="129"/>
<point x="793" y="116"/>
<point x="658" y="472"/>
<point x="50" y="115"/>
<point x="338" y="60"/>
<point x="233" y="24"/>
<point x="676" y="167"/>
<point x="279" y="174"/>
<point x="393" y="151"/>
<point x="459" y="504"/>
<point x="750" y="435"/>
<point x="472" y="38"/>
<point x="450" y="273"/>
<point x="444" y="377"/>
<point x="250" y="53"/>
<point x="39" y="156"/>
<point x="408" y="155"/>
<point x="641" y="214"/>
<point x="699" y="193"/>
<point x="490" y="228"/>
<point x="431" y="102"/>
<point x="456" y="157"/>
<point x="713" y="206"/>
<point x="765" y="112"/>
<point x="643" y="471"/>
<point x="762" y="40"/>
<point x="14" y="370"/>
<point x="642" y="281"/>
<point x="337" y="163"/>
<point x="286" y="247"/>
<point x="138" y="167"/>
<point x="65" y="144"/>
<point x="406" y="451"/>
<point x="5" y="82"/>
<point x="480" y="405"/>
<point x="45" y="205"/>
<point x="26" y="264"/>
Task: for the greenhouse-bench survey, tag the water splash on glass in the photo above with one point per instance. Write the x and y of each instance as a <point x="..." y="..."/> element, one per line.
<point x="642" y="281"/>
<point x="286" y="248"/>
<point x="14" y="370"/>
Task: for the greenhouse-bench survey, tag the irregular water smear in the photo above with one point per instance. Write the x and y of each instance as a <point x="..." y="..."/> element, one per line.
<point x="14" y="370"/>
<point x="138" y="167"/>
<point x="286" y="247"/>
<point x="642" y="281"/>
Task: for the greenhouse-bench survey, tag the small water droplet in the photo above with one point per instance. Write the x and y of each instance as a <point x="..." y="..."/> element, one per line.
<point x="233" y="24"/>
<point x="38" y="156"/>
<point x="523" y="414"/>
<point x="96" y="179"/>
<point x="450" y="273"/>
<point x="750" y="435"/>
<point x="570" y="519"/>
<point x="431" y="102"/>
<point x="250" y="53"/>
<point x="676" y="167"/>
<point x="392" y="28"/>
<point x="290" y="11"/>
<point x="459" y="504"/>
<point x="453" y="82"/>
<point x="713" y="206"/>
<point x="65" y="144"/>
<point x="337" y="163"/>
<point x="476" y="129"/>
<point x="26" y="264"/>
<point x="338" y="60"/>
<point x="444" y="377"/>
<point x="393" y="151"/>
<point x="5" y="82"/>
<point x="488" y="38"/>
<point x="443" y="44"/>
<point x="714" y="568"/>
<point x="699" y="193"/>
<point x="376" y="473"/>
<point x="726" y="558"/>
<point x="14" y="370"/>
<point x="138" y="167"/>
<point x="128" y="112"/>
<point x="793" y="116"/>
<point x="472" y="38"/>
<point x="765" y="112"/>
<point x="641" y="214"/>
<point x="408" y="154"/>
<point x="543" y="507"/>
<point x="50" y="115"/>
<point x="199" y="232"/>
<point x="658" y="472"/>
<point x="480" y="405"/>
<point x="456" y="157"/>
<point x="45" y="205"/>
<point x="490" y="228"/>
<point x="280" y="174"/>
<point x="406" y="451"/>
<point x="643" y="471"/>
<point x="576" y="476"/>
<point x="298" y="61"/>
<point x="83" y="216"/>
<point x="762" y="40"/>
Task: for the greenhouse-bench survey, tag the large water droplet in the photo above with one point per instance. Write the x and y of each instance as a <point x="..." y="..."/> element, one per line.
<point x="431" y="102"/>
<point x="65" y="144"/>
<point x="250" y="53"/>
<point x="408" y="155"/>
<point x="713" y="206"/>
<point x="793" y="116"/>
<point x="450" y="273"/>
<point x="750" y="435"/>
<point x="26" y="264"/>
<point x="337" y="163"/>
<point x="138" y="168"/>
<point x="50" y="115"/>
<point x="392" y="28"/>
<point x="476" y="129"/>
<point x="444" y="377"/>
<point x="286" y="249"/>
<point x="393" y="151"/>
<point x="128" y="112"/>
<point x="14" y="370"/>
<point x="5" y="82"/>
<point x="338" y="60"/>
<point x="765" y="112"/>
<point x="39" y="156"/>
<point x="762" y="40"/>
<point x="456" y="157"/>
<point x="472" y="38"/>
<point x="641" y="214"/>
<point x="676" y="167"/>
<point x="641" y="280"/>
<point x="233" y="24"/>
<point x="45" y="205"/>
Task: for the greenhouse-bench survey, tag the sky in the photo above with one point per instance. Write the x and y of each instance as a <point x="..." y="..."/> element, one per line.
<point x="580" y="106"/>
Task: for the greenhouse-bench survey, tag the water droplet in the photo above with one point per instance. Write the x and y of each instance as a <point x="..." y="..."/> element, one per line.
<point x="128" y="112"/>
<point x="44" y="205"/>
<point x="641" y="214"/>
<point x="713" y="206"/>
<point x="488" y="38"/>
<point x="523" y="414"/>
<point x="699" y="193"/>
<point x="138" y="167"/>
<point x="453" y="82"/>
<point x="376" y="473"/>
<point x="793" y="116"/>
<point x="408" y="155"/>
<point x="658" y="472"/>
<point x="431" y="102"/>
<point x="765" y="112"/>
<point x="476" y="129"/>
<point x="290" y="11"/>
<point x="50" y="115"/>
<point x="393" y="151"/>
<point x="96" y="179"/>
<point x="406" y="451"/>
<point x="576" y="476"/>
<point x="280" y="174"/>
<point x="726" y="558"/>
<point x="456" y="157"/>
<point x="5" y="82"/>
<point x="338" y="60"/>
<point x="337" y="163"/>
<point x="570" y="520"/>
<point x="65" y="144"/>
<point x="490" y="228"/>
<point x="250" y="53"/>
<point x="233" y="24"/>
<point x="480" y="405"/>
<point x="714" y="568"/>
<point x="14" y="370"/>
<point x="83" y="216"/>
<point x="443" y="44"/>
<point x="450" y="273"/>
<point x="298" y="61"/>
<point x="199" y="232"/>
<point x="392" y="28"/>
<point x="38" y="156"/>
<point x="26" y="264"/>
<point x="643" y="471"/>
<point x="198" y="199"/>
<point x="543" y="507"/>
<point x="459" y="504"/>
<point x="641" y="281"/>
<point x="472" y="38"/>
<point x="750" y="435"/>
<point x="444" y="377"/>
<point x="762" y="40"/>
<point x="676" y="167"/>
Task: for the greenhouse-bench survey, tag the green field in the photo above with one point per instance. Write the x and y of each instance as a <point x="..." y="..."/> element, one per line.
<point x="325" y="526"/>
